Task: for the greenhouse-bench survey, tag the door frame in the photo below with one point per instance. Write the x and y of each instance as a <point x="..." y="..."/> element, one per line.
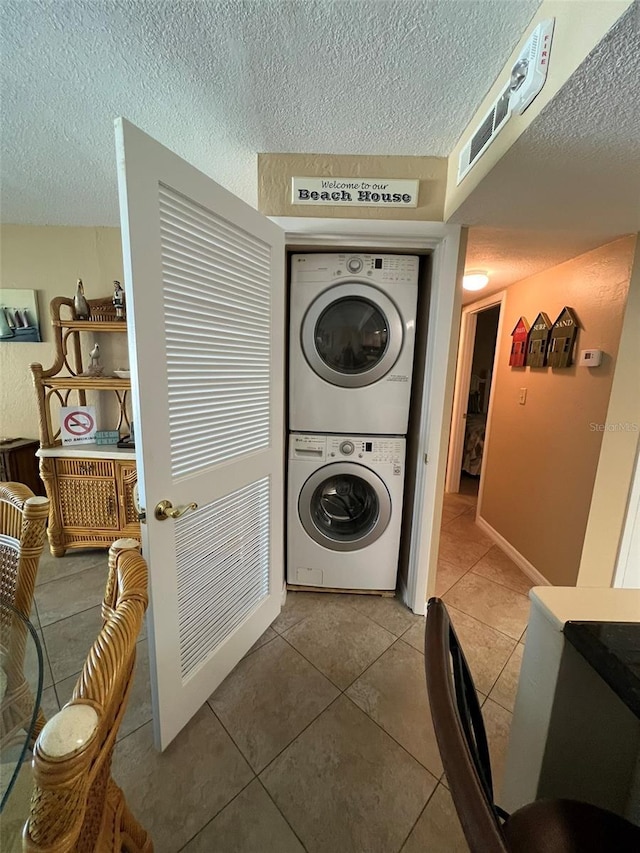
<point x="447" y="245"/>
<point x="468" y="323"/>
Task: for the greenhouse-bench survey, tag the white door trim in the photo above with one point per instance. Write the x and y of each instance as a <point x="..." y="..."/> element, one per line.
<point x="627" y="572"/>
<point x="463" y="380"/>
<point x="446" y="243"/>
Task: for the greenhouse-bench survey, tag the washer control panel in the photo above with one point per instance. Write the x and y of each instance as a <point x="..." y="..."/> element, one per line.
<point x="380" y="268"/>
<point x="368" y="448"/>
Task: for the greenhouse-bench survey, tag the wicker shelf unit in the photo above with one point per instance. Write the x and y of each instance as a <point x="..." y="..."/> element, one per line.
<point x="90" y="487"/>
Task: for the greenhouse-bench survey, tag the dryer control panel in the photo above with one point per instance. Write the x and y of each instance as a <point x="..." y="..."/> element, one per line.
<point x="372" y="449"/>
<point x="348" y="265"/>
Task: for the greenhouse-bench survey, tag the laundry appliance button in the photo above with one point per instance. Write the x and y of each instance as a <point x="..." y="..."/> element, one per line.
<point x="347" y="448"/>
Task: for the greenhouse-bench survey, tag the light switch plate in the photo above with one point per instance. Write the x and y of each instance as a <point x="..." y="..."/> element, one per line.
<point x="522" y="396"/>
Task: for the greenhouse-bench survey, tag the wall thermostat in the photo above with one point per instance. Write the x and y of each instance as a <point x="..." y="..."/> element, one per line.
<point x="590" y="358"/>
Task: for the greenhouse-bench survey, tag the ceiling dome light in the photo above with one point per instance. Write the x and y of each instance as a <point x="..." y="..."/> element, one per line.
<point x="475" y="280"/>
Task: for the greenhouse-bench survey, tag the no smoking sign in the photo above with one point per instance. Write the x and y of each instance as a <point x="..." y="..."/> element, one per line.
<point x="77" y="424"/>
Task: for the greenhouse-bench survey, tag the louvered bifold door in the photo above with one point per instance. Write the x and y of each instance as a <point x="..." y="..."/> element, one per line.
<point x="204" y="277"/>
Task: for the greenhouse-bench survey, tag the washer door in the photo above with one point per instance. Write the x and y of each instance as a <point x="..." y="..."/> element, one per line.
<point x="344" y="506"/>
<point x="352" y="335"/>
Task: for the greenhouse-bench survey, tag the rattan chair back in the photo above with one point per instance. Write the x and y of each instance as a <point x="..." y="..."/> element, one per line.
<point x="76" y="805"/>
<point x="23" y="524"/>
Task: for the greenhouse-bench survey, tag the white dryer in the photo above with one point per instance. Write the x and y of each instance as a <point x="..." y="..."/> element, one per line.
<point x="344" y="510"/>
<point x="352" y="332"/>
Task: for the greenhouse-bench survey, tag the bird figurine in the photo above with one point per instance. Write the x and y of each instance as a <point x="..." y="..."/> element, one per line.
<point x="94" y="369"/>
<point x="80" y="304"/>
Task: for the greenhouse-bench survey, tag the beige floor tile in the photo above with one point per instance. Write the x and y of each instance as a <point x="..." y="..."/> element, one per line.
<point x="486" y="650"/>
<point x="249" y="824"/>
<point x="496" y="566"/>
<point x="52" y="568"/>
<point x="301" y="605"/>
<point x="497" y="723"/>
<point x="459" y="500"/>
<point x="458" y="551"/>
<point x="139" y="707"/>
<point x="438" y="829"/>
<point x="393" y="692"/>
<point x="344" y="785"/>
<point x="174" y="794"/>
<point x="33" y="615"/>
<point x="415" y="635"/>
<point x="495" y="605"/>
<point x="390" y="613"/>
<point x="451" y="512"/>
<point x="72" y="594"/>
<point x="340" y="642"/>
<point x="31" y="663"/>
<point x="506" y="687"/>
<point x="268" y="699"/>
<point x="466" y="529"/>
<point x="49" y="702"/>
<point x="446" y="576"/>
<point x="265" y="638"/>
<point x="69" y="640"/>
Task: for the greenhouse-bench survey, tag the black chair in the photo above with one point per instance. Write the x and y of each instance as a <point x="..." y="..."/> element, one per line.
<point x="546" y="826"/>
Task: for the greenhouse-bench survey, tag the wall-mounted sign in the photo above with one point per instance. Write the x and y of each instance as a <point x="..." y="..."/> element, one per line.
<point x="563" y="338"/>
<point x="355" y="192"/>
<point x="539" y="341"/>
<point x="519" y="345"/>
<point x="77" y="424"/>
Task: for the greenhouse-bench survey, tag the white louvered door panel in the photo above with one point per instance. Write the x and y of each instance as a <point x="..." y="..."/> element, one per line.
<point x="204" y="276"/>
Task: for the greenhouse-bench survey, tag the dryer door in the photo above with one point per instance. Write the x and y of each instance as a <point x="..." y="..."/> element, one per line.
<point x="344" y="506"/>
<point x="352" y="335"/>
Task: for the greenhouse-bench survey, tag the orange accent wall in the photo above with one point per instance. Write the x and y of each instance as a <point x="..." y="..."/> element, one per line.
<point x="541" y="458"/>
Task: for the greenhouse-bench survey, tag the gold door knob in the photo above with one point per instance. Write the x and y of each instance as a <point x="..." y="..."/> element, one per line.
<point x="165" y="510"/>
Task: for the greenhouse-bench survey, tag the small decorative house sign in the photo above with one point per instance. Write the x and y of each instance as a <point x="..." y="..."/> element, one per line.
<point x="563" y="337"/>
<point x="538" y="341"/>
<point x="520" y="337"/>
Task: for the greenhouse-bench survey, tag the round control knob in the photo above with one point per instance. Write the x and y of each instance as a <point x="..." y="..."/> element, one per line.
<point x="347" y="448"/>
<point x="354" y="264"/>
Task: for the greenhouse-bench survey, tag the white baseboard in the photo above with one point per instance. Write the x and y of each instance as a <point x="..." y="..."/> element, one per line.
<point x="513" y="554"/>
<point x="284" y="594"/>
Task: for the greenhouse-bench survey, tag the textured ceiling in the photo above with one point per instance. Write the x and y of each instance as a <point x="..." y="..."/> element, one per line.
<point x="220" y="81"/>
<point x="571" y="182"/>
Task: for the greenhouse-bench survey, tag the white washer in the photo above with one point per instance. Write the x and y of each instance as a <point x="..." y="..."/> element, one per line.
<point x="352" y="334"/>
<point x="344" y="510"/>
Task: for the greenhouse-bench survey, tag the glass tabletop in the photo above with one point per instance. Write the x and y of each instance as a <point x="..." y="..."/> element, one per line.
<point x="21" y="672"/>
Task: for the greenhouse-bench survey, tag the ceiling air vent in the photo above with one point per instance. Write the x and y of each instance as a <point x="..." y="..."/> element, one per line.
<point x="485" y="133"/>
<point x="528" y="76"/>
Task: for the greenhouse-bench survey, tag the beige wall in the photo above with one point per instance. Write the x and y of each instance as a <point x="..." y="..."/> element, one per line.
<point x="50" y="260"/>
<point x="579" y="26"/>
<point x="276" y="170"/>
<point x="541" y="458"/>
<point x="618" y="451"/>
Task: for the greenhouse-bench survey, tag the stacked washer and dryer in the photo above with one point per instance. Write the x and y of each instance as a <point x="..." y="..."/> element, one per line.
<point x="352" y="334"/>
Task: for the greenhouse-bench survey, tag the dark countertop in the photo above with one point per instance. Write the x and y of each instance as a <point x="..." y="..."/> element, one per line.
<point x="613" y="650"/>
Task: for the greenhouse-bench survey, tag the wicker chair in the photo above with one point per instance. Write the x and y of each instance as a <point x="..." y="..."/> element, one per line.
<point x="76" y="805"/>
<point x="23" y="523"/>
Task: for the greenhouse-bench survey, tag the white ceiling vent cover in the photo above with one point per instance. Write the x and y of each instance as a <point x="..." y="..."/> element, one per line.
<point x="485" y="133"/>
<point x="528" y="76"/>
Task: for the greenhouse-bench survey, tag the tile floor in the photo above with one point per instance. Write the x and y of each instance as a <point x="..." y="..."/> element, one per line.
<point x="321" y="738"/>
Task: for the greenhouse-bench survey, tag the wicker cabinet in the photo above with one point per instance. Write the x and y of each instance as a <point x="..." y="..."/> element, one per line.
<point x="90" y="487"/>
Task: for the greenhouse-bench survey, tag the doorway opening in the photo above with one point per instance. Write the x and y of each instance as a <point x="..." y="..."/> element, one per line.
<point x="479" y="332"/>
